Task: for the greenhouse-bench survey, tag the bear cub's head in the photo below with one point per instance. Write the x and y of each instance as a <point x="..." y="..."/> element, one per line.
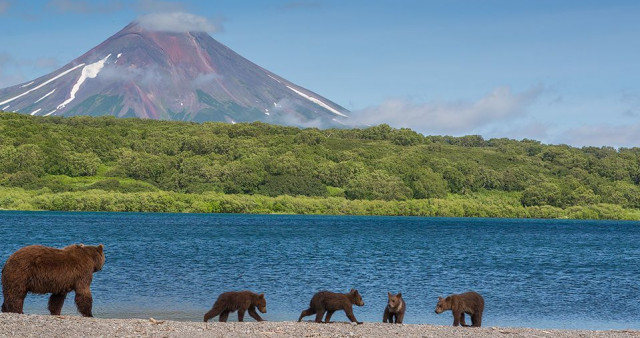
<point x="444" y="304"/>
<point x="395" y="301"/>
<point x="261" y="303"/>
<point x="355" y="296"/>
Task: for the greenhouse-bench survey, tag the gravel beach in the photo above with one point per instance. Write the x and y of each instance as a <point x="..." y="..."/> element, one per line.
<point x="14" y="325"/>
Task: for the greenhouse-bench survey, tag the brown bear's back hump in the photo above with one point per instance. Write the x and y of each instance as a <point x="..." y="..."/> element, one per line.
<point x="471" y="301"/>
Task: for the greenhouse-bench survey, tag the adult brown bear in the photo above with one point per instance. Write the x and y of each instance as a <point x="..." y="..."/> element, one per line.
<point x="41" y="269"/>
<point x="470" y="303"/>
<point x="240" y="301"/>
<point x="330" y="302"/>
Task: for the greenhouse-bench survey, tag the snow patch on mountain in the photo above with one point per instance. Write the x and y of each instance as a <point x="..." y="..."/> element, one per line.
<point x="88" y="72"/>
<point x="43" y="84"/>
<point x="318" y="102"/>
<point x="45" y="95"/>
<point x="274" y="78"/>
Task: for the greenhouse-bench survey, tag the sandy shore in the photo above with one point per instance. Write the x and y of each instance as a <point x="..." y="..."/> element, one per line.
<point x="13" y="325"/>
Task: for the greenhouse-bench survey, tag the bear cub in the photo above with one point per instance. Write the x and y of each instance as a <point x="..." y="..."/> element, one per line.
<point x="330" y="302"/>
<point x="40" y="269"/>
<point x="395" y="309"/>
<point x="470" y="303"/>
<point x="240" y="301"/>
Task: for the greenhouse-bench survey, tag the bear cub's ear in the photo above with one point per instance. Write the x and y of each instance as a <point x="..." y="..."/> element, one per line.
<point x="261" y="295"/>
<point x="399" y="294"/>
<point x="100" y="247"/>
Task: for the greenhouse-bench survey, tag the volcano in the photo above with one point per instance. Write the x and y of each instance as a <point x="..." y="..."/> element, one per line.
<point x="186" y="76"/>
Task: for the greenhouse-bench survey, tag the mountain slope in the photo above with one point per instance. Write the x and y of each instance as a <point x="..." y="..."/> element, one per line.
<point x="171" y="76"/>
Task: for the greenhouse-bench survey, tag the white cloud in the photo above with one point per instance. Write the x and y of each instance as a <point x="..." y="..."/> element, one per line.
<point x="177" y="22"/>
<point x="203" y="80"/>
<point x="147" y="76"/>
<point x="85" y="6"/>
<point x="602" y="135"/>
<point x="301" y="4"/>
<point x="4" y="7"/>
<point x="155" y="6"/>
<point x="450" y="117"/>
<point x="6" y="78"/>
<point x="12" y="69"/>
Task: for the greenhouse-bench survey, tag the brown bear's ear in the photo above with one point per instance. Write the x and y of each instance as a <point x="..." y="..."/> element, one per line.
<point x="261" y="295"/>
<point x="389" y="294"/>
<point x="100" y="247"/>
<point x="353" y="291"/>
<point x="399" y="294"/>
<point x="439" y="298"/>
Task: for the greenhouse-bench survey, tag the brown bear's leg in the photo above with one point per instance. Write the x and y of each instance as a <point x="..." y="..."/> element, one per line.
<point x="476" y="320"/>
<point x="327" y="318"/>
<point x="84" y="302"/>
<point x="307" y="312"/>
<point x="55" y="303"/>
<point x="385" y="316"/>
<point x="216" y="309"/>
<point x="399" y="317"/>
<point x="456" y="318"/>
<point x="319" y="315"/>
<point x="224" y="315"/>
<point x="13" y="303"/>
<point x="254" y="314"/>
<point x="393" y="318"/>
<point x="462" y="322"/>
<point x="349" y="312"/>
<point x="240" y="315"/>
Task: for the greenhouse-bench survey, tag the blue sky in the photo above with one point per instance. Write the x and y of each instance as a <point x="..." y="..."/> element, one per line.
<point x="554" y="71"/>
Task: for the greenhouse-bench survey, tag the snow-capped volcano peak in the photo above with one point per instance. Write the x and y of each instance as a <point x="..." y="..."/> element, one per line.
<point x="172" y="75"/>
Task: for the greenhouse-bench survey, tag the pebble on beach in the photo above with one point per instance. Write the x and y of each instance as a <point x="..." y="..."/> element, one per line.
<point x="15" y="325"/>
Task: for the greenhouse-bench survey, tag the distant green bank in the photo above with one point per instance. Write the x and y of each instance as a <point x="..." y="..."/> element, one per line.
<point x="109" y="164"/>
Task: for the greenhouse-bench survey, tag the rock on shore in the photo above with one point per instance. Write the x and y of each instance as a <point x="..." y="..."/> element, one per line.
<point x="14" y="325"/>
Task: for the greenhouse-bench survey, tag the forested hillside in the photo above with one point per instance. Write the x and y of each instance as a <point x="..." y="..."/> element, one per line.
<point x="85" y="163"/>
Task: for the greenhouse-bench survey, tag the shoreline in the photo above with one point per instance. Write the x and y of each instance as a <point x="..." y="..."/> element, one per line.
<point x="16" y="325"/>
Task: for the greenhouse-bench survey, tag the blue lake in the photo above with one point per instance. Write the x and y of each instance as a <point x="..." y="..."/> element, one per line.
<point x="532" y="273"/>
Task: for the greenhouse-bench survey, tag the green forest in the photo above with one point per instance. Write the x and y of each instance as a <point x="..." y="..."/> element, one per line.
<point x="110" y="164"/>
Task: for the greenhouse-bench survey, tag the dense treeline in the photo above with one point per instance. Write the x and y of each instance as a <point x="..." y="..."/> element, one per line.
<point x="85" y="163"/>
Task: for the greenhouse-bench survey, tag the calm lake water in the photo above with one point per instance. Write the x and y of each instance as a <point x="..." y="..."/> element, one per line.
<point x="533" y="273"/>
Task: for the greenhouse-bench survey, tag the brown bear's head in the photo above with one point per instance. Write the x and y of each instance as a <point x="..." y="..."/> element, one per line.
<point x="98" y="257"/>
<point x="262" y="303"/>
<point x="356" y="298"/>
<point x="395" y="301"/>
<point x="444" y="304"/>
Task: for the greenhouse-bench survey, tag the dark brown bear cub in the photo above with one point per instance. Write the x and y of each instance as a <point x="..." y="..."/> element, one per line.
<point x="41" y="269"/>
<point x="470" y="303"/>
<point x="330" y="302"/>
<point x="240" y="301"/>
<point x="395" y="309"/>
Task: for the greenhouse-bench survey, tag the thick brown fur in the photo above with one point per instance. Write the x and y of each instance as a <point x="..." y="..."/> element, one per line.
<point x="470" y="303"/>
<point x="40" y="269"/>
<point x="394" y="311"/>
<point x="330" y="302"/>
<point x="240" y="301"/>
